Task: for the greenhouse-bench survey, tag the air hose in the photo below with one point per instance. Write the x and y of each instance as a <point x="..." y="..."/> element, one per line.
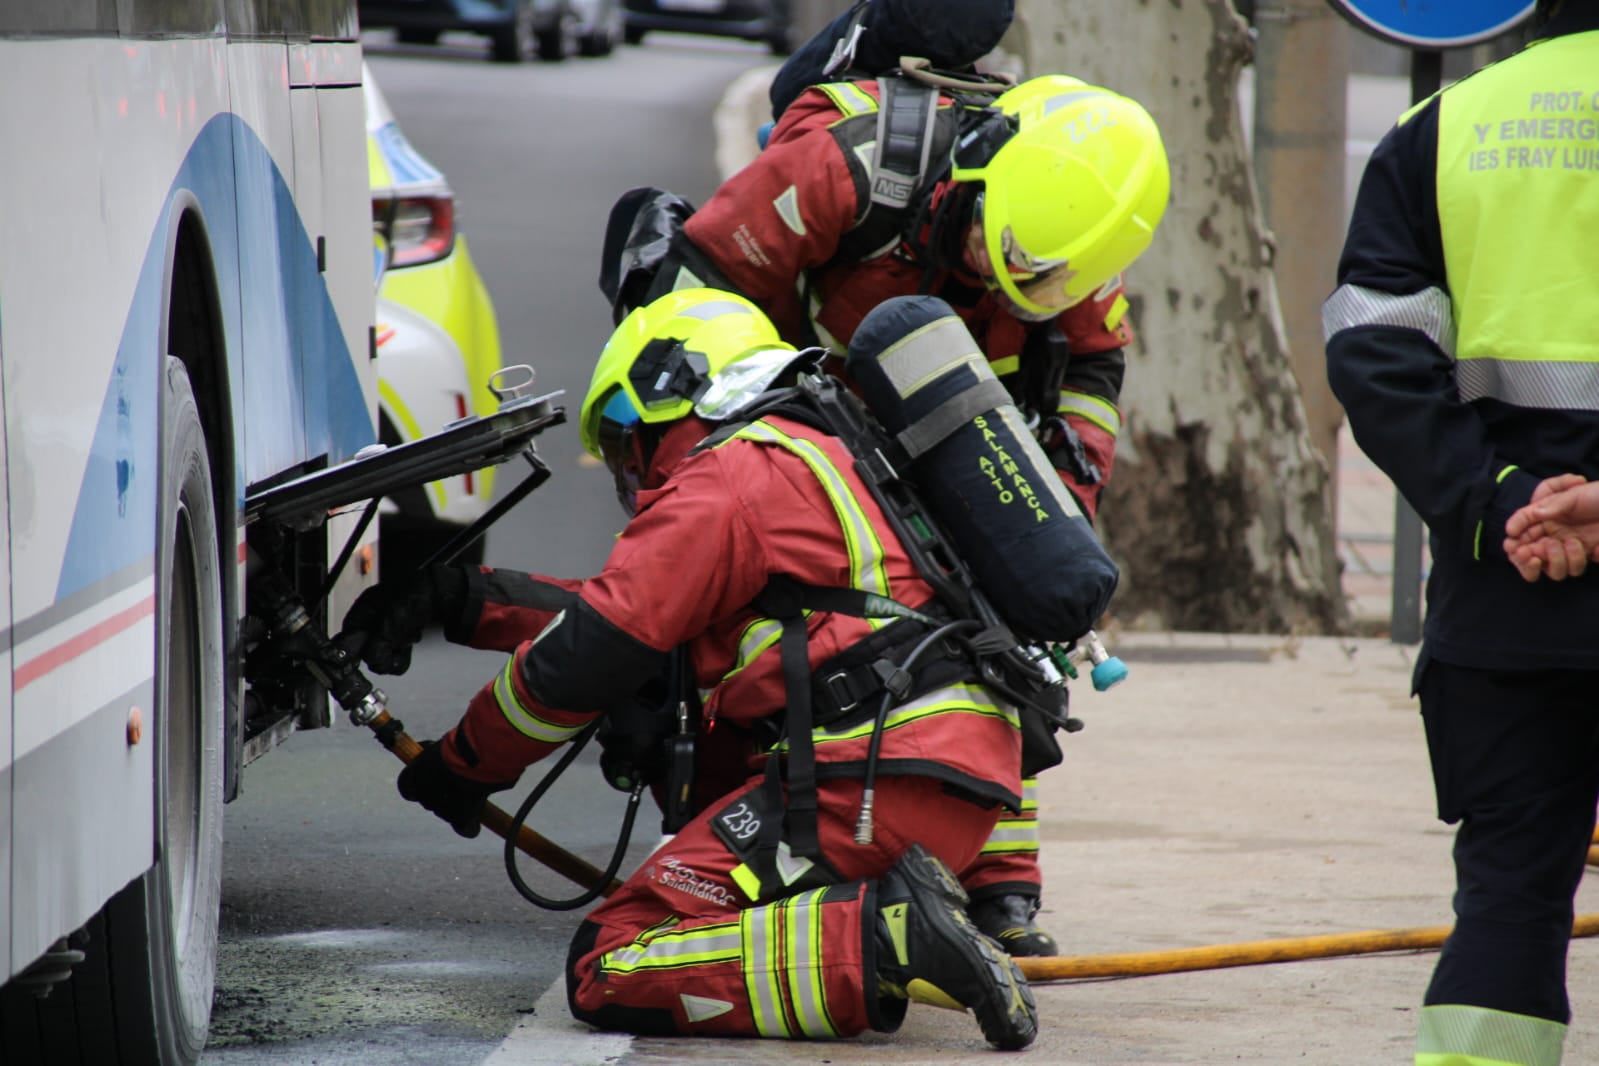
<point x="605" y="882"/>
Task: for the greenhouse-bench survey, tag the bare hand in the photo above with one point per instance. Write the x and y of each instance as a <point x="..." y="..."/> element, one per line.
<point x="1557" y="533"/>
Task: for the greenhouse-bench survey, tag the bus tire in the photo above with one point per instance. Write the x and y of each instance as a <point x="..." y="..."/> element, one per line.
<point x="142" y="992"/>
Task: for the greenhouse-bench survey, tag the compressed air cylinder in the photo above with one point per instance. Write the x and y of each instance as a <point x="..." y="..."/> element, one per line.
<point x="985" y="479"/>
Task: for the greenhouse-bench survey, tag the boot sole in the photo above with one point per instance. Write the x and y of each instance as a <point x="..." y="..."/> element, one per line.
<point x="1006" y="1014"/>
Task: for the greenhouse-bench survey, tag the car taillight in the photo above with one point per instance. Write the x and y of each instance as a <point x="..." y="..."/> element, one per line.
<point x="420" y="229"/>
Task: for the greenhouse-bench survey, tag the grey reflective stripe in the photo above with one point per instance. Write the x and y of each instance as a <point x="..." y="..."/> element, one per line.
<point x="951" y="415"/>
<point x="761" y="971"/>
<point x="1015" y="833"/>
<point x="1052" y="484"/>
<point x="1100" y="412"/>
<point x="1457" y="1035"/>
<point x="1055" y="103"/>
<point x="806" y="991"/>
<point x="714" y="308"/>
<point x="1429" y="311"/>
<point x="923" y="354"/>
<point x="1559" y="385"/>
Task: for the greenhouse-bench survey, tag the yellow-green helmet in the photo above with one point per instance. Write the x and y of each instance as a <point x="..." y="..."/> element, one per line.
<point x="662" y="360"/>
<point x="664" y="355"/>
<point x="1073" y="197"/>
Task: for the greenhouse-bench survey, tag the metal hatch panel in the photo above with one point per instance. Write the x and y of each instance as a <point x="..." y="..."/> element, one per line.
<point x="461" y="447"/>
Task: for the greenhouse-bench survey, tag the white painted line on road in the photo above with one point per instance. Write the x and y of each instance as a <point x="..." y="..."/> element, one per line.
<point x="550" y="1036"/>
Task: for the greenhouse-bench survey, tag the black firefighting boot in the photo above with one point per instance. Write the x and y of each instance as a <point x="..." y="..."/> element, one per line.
<point x="929" y="951"/>
<point x="1009" y="920"/>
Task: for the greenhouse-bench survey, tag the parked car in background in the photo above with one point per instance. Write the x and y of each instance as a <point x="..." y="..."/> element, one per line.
<point x="600" y="26"/>
<point x="437" y="339"/>
<point x="753" y="20"/>
<point x="516" y="29"/>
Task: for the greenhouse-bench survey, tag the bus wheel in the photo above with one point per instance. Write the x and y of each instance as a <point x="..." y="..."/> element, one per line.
<point x="143" y="969"/>
<point x="160" y="933"/>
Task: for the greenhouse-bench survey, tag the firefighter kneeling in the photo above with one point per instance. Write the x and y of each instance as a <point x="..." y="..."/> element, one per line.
<point x="763" y="916"/>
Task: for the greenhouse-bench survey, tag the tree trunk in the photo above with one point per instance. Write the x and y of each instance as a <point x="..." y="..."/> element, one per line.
<point x="1219" y="511"/>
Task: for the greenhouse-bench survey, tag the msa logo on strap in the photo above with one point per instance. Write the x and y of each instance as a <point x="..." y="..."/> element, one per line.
<point x="892" y="189"/>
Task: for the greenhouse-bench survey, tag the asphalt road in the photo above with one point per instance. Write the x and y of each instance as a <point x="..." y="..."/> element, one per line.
<point x="356" y="927"/>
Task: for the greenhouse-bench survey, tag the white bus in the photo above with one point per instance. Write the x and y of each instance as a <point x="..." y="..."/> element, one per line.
<point x="186" y="298"/>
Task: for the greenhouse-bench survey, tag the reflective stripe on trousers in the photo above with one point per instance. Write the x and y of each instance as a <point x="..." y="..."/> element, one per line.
<point x="1453" y="1035"/>
<point x="1017" y="833"/>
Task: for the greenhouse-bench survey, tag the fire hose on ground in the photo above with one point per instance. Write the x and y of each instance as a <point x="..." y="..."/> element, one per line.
<point x="1047" y="968"/>
<point x="366" y="705"/>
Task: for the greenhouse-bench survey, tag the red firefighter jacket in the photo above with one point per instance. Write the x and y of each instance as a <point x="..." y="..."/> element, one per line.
<point x="777" y="223"/>
<point x="779" y="498"/>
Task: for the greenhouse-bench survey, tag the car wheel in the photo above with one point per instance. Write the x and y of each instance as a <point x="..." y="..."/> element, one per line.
<point x="142" y="992"/>
<point x="515" y="41"/>
<point x="416" y="35"/>
<point x="632" y="34"/>
<point x="601" y="38"/>
<point x="780" y="40"/>
<point x="560" y="40"/>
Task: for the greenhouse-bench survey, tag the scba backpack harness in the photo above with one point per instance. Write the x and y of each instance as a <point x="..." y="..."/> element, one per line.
<point x="1016" y="570"/>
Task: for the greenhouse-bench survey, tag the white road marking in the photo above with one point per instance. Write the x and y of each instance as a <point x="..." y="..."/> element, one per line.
<point x="550" y="1036"/>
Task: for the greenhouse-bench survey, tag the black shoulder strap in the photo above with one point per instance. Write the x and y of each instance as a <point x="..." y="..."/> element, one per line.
<point x="787" y="600"/>
<point x="907" y="121"/>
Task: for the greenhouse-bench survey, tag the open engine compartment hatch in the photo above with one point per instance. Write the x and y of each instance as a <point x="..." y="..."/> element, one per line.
<point x="461" y="447"/>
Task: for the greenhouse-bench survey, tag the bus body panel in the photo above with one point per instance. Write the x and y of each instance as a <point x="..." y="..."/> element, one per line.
<point x="197" y="132"/>
<point x="7" y="774"/>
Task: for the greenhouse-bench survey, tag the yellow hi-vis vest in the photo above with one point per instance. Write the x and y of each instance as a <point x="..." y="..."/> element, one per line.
<point x="1518" y="208"/>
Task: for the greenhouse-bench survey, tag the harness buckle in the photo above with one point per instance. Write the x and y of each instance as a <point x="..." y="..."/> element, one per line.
<point x="838" y="687"/>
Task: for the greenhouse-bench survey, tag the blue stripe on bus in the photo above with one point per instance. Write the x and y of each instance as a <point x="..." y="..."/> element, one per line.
<point x="274" y="303"/>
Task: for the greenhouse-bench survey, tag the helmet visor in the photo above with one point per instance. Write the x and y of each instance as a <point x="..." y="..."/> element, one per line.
<point x="1039" y="287"/>
<point x="621" y="446"/>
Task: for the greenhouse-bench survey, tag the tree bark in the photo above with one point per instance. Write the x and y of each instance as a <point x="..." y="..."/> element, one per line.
<point x="1219" y="511"/>
<point x="1301" y="102"/>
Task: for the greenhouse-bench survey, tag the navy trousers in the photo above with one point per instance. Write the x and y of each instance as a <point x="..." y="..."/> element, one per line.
<point x="1515" y="760"/>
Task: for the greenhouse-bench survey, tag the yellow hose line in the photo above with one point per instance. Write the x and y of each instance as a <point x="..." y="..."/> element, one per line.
<point x="1252" y="953"/>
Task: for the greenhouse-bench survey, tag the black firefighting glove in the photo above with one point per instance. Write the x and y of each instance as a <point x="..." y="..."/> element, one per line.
<point x="633" y="738"/>
<point x="386" y="619"/>
<point x="456" y="799"/>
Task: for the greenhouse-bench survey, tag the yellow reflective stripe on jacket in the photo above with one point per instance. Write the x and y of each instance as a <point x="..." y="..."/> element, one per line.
<point x="1518" y="154"/>
<point x="1450" y="1035"/>
<point x="850" y="99"/>
<point x="867" y="569"/>
<point x="661" y="950"/>
<point x="962" y="698"/>
<point x="521" y="716"/>
<point x="1102" y="413"/>
<point x="759" y="635"/>
<point x="783" y="963"/>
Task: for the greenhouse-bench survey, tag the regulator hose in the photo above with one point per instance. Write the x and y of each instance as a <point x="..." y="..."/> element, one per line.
<point x="517" y="820"/>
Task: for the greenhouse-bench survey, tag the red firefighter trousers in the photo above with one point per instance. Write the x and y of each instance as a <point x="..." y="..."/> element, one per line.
<point x="681" y="946"/>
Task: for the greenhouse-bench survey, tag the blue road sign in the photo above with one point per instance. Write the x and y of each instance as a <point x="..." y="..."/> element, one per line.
<point x="1435" y="23"/>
